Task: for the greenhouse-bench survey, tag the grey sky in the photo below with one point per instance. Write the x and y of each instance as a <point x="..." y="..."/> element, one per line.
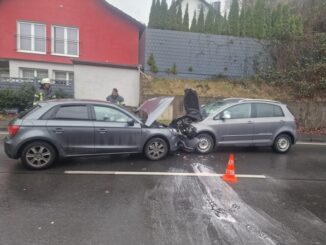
<point x="139" y="9"/>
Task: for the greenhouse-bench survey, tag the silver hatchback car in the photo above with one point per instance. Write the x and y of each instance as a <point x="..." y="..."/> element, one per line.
<point x="240" y="122"/>
<point x="246" y="122"/>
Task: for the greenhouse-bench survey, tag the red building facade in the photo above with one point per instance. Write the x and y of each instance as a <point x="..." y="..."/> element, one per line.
<point x="47" y="38"/>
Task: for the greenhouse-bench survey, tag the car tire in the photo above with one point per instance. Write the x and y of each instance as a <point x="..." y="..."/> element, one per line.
<point x="206" y="144"/>
<point x="156" y="149"/>
<point x="282" y="143"/>
<point x="38" y="155"/>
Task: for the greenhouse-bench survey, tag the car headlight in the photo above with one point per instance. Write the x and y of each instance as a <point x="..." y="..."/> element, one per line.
<point x="173" y="131"/>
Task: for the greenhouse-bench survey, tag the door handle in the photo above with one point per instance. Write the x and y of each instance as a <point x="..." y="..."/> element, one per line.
<point x="59" y="131"/>
<point x="102" y="130"/>
<point x="250" y="122"/>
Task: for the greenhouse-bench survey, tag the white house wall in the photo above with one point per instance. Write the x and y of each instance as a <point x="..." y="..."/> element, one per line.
<point x="93" y="82"/>
<point x="194" y="5"/>
<point x="15" y="66"/>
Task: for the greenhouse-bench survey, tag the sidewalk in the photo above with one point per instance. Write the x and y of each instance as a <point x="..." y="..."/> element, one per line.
<point x="302" y="137"/>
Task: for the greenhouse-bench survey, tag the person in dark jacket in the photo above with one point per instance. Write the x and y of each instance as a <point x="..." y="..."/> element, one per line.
<point x="115" y="98"/>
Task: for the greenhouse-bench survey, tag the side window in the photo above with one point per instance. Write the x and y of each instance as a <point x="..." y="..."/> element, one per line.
<point x="108" y="114"/>
<point x="77" y="112"/>
<point x="267" y="110"/>
<point x="239" y="111"/>
<point x="278" y="112"/>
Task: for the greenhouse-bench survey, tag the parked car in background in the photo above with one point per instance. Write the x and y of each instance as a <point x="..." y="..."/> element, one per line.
<point x="240" y="122"/>
<point x="69" y="128"/>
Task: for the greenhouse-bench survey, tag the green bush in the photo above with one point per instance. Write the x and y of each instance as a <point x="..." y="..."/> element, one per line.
<point x="152" y="63"/>
<point x="17" y="99"/>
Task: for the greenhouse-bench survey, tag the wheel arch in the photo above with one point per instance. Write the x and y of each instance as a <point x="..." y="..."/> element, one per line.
<point x="23" y="145"/>
<point x="286" y="133"/>
<point x="158" y="136"/>
<point x="210" y="134"/>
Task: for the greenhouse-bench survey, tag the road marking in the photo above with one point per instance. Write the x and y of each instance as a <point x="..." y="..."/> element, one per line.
<point x="161" y="174"/>
<point x="311" y="143"/>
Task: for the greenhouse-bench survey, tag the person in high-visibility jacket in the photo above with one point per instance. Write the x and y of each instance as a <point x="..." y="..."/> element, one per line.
<point x="44" y="92"/>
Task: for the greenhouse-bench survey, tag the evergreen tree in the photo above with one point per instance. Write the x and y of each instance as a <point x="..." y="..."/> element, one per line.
<point x="156" y="20"/>
<point x="242" y="21"/>
<point x="277" y="22"/>
<point x="209" y="22"/>
<point x="179" y="26"/>
<point x="164" y="20"/>
<point x="172" y="16"/>
<point x="285" y="22"/>
<point x="249" y="23"/>
<point x="151" y="14"/>
<point x="224" y="25"/>
<point x="193" y="27"/>
<point x="186" y="19"/>
<point x="268" y="21"/>
<point x="259" y="20"/>
<point x="234" y="18"/>
<point x="201" y="20"/>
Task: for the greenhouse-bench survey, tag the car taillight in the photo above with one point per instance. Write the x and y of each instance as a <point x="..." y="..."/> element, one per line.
<point x="13" y="130"/>
<point x="296" y="122"/>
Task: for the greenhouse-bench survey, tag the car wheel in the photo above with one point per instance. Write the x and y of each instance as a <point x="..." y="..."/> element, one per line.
<point x="38" y="155"/>
<point x="156" y="149"/>
<point x="206" y="144"/>
<point x="282" y="143"/>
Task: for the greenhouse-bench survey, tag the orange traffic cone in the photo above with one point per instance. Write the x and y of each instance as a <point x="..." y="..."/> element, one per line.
<point x="229" y="175"/>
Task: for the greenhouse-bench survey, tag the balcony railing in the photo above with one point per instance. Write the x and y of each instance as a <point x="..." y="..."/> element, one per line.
<point x="36" y="81"/>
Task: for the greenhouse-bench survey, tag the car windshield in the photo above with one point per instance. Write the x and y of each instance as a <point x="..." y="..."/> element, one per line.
<point x="212" y="108"/>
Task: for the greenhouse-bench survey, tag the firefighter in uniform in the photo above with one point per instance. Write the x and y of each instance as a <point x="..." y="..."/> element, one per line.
<point x="44" y="92"/>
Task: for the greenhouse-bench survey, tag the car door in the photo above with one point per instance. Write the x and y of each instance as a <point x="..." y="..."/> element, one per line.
<point x="72" y="128"/>
<point x="115" y="131"/>
<point x="234" y="125"/>
<point x="268" y="118"/>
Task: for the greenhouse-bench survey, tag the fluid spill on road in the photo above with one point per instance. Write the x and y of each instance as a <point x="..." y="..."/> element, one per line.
<point x="208" y="211"/>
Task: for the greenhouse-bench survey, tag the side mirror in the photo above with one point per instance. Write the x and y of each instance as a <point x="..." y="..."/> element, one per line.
<point x="226" y="115"/>
<point x="131" y="122"/>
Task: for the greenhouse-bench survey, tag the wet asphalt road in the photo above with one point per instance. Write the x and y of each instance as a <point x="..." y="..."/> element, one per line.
<point x="50" y="207"/>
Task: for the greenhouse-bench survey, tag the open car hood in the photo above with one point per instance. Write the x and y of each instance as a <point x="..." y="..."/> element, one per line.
<point x="154" y="108"/>
<point x="191" y="105"/>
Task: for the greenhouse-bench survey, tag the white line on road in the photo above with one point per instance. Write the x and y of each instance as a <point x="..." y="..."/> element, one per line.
<point x="310" y="143"/>
<point x="161" y="174"/>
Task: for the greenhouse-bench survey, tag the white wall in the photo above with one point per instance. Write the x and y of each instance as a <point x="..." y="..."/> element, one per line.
<point x="93" y="82"/>
<point x="15" y="65"/>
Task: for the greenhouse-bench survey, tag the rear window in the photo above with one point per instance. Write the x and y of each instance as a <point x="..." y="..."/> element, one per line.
<point x="28" y="112"/>
<point x="267" y="110"/>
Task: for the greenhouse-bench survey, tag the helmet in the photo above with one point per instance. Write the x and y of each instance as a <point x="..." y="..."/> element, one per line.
<point x="46" y="81"/>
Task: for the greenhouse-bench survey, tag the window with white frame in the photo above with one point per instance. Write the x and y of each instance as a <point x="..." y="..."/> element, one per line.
<point x="31" y="37"/>
<point x="65" y="41"/>
<point x="63" y="76"/>
<point x="30" y="73"/>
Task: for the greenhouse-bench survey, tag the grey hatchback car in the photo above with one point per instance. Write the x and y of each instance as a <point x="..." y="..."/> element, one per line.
<point x="67" y="128"/>
<point x="246" y="122"/>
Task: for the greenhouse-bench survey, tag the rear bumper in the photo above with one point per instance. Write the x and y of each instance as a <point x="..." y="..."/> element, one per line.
<point x="10" y="149"/>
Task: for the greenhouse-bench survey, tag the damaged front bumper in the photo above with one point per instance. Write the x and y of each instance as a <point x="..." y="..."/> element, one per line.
<point x="187" y="144"/>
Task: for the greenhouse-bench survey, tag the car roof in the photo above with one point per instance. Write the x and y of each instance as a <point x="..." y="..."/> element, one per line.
<point x="239" y="100"/>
